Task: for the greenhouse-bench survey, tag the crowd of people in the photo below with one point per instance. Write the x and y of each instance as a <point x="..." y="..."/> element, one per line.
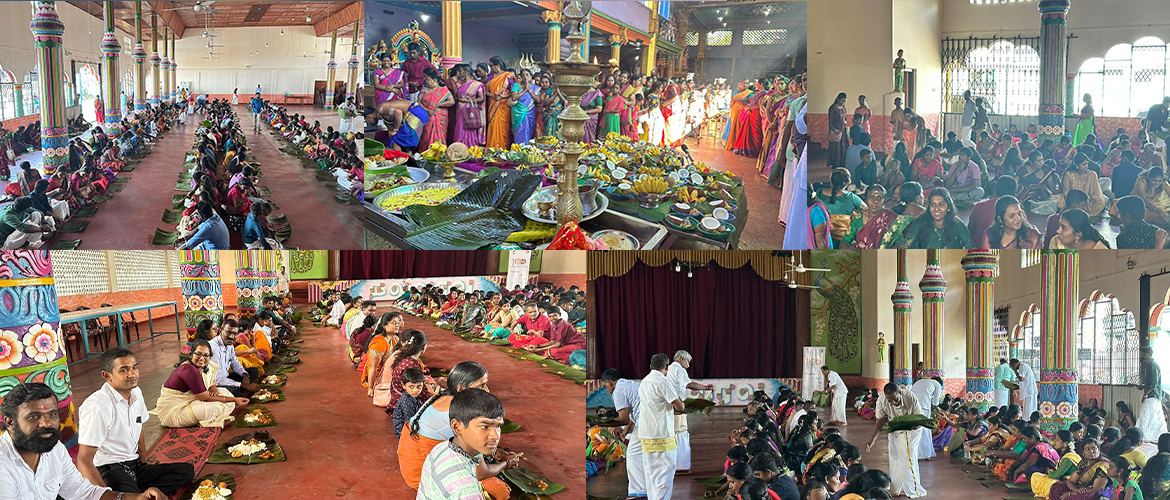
<point x="761" y="121"/>
<point x="334" y="151"/>
<point x="1023" y="190"/>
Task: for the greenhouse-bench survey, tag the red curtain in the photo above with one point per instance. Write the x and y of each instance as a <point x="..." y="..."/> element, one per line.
<point x="734" y="323"/>
<point x="390" y="264"/>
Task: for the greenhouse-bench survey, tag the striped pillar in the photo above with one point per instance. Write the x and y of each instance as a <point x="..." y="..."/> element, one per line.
<point x="980" y="268"/>
<point x="31" y="347"/>
<point x="352" y="65"/>
<point x="248" y="279"/>
<point x="330" y="89"/>
<point x="111" y="92"/>
<point x="166" y="67"/>
<point x="174" y="68"/>
<point x="47" y="30"/>
<point x="903" y="303"/>
<point x="269" y="265"/>
<point x="154" y="59"/>
<point x="139" y="55"/>
<point x="452" y="35"/>
<point x="202" y="290"/>
<point x="1058" y="403"/>
<point x="1053" y="21"/>
<point x="934" y="292"/>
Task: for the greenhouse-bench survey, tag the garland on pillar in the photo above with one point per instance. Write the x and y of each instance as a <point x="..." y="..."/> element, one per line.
<point x="903" y="303"/>
<point x="934" y="292"/>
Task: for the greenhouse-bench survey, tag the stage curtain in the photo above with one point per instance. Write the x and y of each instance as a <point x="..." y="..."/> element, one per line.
<point x="768" y="264"/>
<point x="735" y="323"/>
<point x="391" y="264"/>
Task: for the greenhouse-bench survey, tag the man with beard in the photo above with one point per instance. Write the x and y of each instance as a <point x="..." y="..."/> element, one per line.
<point x="110" y="433"/>
<point x="562" y="338"/>
<point x="34" y="464"/>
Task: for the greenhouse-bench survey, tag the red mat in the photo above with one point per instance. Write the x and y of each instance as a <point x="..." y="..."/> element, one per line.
<point x="191" y="445"/>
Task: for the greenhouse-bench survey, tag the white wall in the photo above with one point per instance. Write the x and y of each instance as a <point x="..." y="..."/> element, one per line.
<point x="917" y="30"/>
<point x="279" y="68"/>
<point x="850" y="45"/>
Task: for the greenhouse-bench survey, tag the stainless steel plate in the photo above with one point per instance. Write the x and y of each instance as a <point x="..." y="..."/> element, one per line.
<point x="532" y="211"/>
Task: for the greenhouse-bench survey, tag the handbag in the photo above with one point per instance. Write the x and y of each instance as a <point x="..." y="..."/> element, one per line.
<point x="472" y="117"/>
<point x="835" y="135"/>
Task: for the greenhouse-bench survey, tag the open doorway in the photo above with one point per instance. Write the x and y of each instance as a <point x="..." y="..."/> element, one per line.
<point x="89" y="87"/>
<point x="911" y="88"/>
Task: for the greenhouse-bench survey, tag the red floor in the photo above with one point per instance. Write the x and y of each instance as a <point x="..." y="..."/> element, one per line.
<point x="763" y="230"/>
<point x="128" y="221"/>
<point x="340" y="446"/>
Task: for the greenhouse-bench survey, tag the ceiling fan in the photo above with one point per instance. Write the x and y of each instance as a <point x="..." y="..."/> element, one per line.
<point x="200" y="6"/>
<point x="799" y="266"/>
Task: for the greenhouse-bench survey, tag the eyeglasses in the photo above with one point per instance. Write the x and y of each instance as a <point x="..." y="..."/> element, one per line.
<point x="200" y="355"/>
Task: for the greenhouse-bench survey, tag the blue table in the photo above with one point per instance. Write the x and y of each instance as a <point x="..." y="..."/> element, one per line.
<point x="81" y="317"/>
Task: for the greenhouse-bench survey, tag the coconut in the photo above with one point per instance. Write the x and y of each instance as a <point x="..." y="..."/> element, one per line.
<point x="457" y="151"/>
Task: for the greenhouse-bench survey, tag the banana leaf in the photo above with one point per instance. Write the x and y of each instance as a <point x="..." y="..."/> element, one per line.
<point x="226" y="479"/>
<point x="74" y="226"/>
<point x="277" y="219"/>
<point x="908" y="422"/>
<point x="282" y="369"/>
<point x="283" y="380"/>
<point x="164" y="238"/>
<point x="712" y="483"/>
<point x="65" y="245"/>
<point x="177" y="200"/>
<point x="373" y="148"/>
<point x="183" y="186"/>
<point x="694" y="405"/>
<point x="523" y="478"/>
<point x="483" y="214"/>
<point x="222" y="456"/>
<point x="172" y="217"/>
<point x="282" y="233"/>
<point x="567" y="373"/>
<point x="264" y="191"/>
<point x="500" y="342"/>
<point x="509" y="426"/>
<point x="116" y="187"/>
<point x="129" y="167"/>
<point x="279" y="397"/>
<point x="240" y="422"/>
<point x="121" y="180"/>
<point x="438" y="372"/>
<point x="85" y="213"/>
<point x="101" y="198"/>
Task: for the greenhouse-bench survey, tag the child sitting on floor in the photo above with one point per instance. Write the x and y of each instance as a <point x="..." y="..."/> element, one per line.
<point x="408" y="404"/>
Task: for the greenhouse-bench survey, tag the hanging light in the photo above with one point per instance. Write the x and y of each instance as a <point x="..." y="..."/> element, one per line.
<point x="690" y="274"/>
<point x="281" y="31"/>
<point x="425" y="17"/>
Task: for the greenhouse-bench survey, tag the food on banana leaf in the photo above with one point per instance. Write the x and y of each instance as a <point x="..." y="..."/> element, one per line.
<point x="430" y="197"/>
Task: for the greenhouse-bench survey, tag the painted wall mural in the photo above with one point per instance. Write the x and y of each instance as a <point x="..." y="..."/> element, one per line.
<point x="309" y="264"/>
<point x="392" y="289"/>
<point x="836" y="308"/>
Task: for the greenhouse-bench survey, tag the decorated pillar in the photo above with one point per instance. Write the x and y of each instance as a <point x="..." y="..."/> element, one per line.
<point x="166" y="67"/>
<point x="111" y="92"/>
<point x="1059" y="290"/>
<point x="587" y="30"/>
<point x="47" y="30"/>
<point x="269" y="266"/>
<point x="452" y="35"/>
<point x="934" y="292"/>
<point x="352" y="65"/>
<point x="903" y="303"/>
<point x="139" y="55"/>
<point x="330" y="88"/>
<point x="553" y="18"/>
<point x="154" y="59"/>
<point x="680" y="36"/>
<point x="18" y="93"/>
<point x="248" y="293"/>
<point x="650" y="50"/>
<point x="616" y="42"/>
<point x="1053" y="20"/>
<point x="980" y="268"/>
<point x="31" y="347"/>
<point x="202" y="290"/>
<point x="700" y="56"/>
<point x="174" y="67"/>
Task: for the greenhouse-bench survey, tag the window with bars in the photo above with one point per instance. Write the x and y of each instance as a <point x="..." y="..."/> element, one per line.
<point x="1029" y="258"/>
<point x="7" y="96"/>
<point x="1004" y="72"/>
<point x="128" y="88"/>
<point x="31" y="90"/>
<point x="80" y="272"/>
<point x="1107" y="344"/>
<point x="1135" y="76"/>
<point x="692" y="39"/>
<point x="1001" y="349"/>
<point x="1161" y="343"/>
<point x="719" y="38"/>
<point x="1028" y="350"/>
<point x="765" y="37"/>
<point x="140" y="270"/>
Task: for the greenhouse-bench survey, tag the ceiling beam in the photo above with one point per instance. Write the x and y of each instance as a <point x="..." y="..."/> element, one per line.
<point x="343" y="17"/>
<point x="169" y="18"/>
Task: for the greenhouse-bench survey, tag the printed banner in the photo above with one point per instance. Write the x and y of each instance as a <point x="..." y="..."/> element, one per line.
<point x="309" y="264"/>
<point x="386" y="290"/>
<point x="518" y="261"/>
<point x="814" y="380"/>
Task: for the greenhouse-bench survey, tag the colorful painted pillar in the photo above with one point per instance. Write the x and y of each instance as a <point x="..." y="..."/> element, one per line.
<point x="248" y="293"/>
<point x="1053" y="20"/>
<point x="934" y="292"/>
<point x="980" y="267"/>
<point x="154" y="59"/>
<point x="452" y="34"/>
<point x="1058" y="403"/>
<point x="174" y="67"/>
<point x="615" y="44"/>
<point x="111" y="79"/>
<point x="18" y="94"/>
<point x="903" y="303"/>
<point x="166" y="67"/>
<point x="586" y="29"/>
<point x="270" y="263"/>
<point x="352" y="65"/>
<point x="553" y="19"/>
<point x="48" y="30"/>
<point x="650" y="50"/>
<point x="330" y="89"/>
<point x="31" y="346"/>
<point x="139" y="55"/>
<point x="202" y="290"/>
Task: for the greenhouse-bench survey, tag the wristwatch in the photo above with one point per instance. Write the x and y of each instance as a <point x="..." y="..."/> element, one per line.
<point x="120" y="495"/>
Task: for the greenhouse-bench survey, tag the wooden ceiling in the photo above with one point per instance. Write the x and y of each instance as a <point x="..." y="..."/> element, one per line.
<point x="324" y="16"/>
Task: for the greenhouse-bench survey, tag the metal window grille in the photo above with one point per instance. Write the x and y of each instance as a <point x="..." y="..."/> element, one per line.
<point x="1135" y="76"/>
<point x="140" y="270"/>
<point x="80" y="272"/>
<point x="719" y="38"/>
<point x="999" y="335"/>
<point x="129" y="88"/>
<point x="692" y="39"/>
<point x="31" y="90"/>
<point x="1107" y="344"/>
<point x="1028" y="350"/>
<point x="1029" y="258"/>
<point x="7" y="101"/>
<point x="765" y="37"/>
<point x="1005" y="72"/>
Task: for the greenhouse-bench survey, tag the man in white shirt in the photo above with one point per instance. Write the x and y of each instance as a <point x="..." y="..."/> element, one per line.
<point x="677" y="373"/>
<point x="658" y="399"/>
<point x="34" y="464"/>
<point x="231" y="375"/>
<point x="903" y="445"/>
<point x="369" y="308"/>
<point x="349" y="114"/>
<point x="929" y="392"/>
<point x="625" y="401"/>
<point x="968" y="119"/>
<point x="110" y="436"/>
<point x="838" y="392"/>
<point x="1028" y="391"/>
<point x="338" y="310"/>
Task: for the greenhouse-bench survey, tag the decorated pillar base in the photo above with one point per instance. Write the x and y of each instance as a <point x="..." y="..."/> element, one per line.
<point x="331" y="90"/>
<point x="202" y="290"/>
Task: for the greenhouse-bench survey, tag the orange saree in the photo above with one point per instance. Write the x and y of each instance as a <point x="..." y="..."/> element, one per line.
<point x="499" y="116"/>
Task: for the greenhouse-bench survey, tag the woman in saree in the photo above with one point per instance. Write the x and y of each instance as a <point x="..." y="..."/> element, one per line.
<point x="1087" y="126"/>
<point x="838" y="141"/>
<point x="875" y="200"/>
<point x="751" y="134"/>
<point x="1089" y="480"/>
<point x="1082" y="178"/>
<point x="62" y="189"/>
<point x="553" y="103"/>
<point x="1152" y="187"/>
<point x="673" y="112"/>
<point x="996" y="437"/>
<point x="973" y="428"/>
<point x="436" y="99"/>
<point x="111" y="159"/>
<point x="523" y="102"/>
<point x="1063" y="153"/>
<point x="910" y="133"/>
<point x="1155" y="480"/>
<point x="615" y="106"/>
<point x="819" y="236"/>
<point x="432" y="425"/>
<point x="738" y="102"/>
<point x="1064" y="446"/>
<point x="1011" y="229"/>
<point x="381" y="343"/>
<point x="774" y="114"/>
<point x="655" y="123"/>
<point x="499" y="324"/>
<point x="1038" y="184"/>
<point x="1037" y="458"/>
<point x="469" y="118"/>
<point x="840" y="203"/>
<point x="190" y="398"/>
<point x="389" y="81"/>
<point x="499" y="116"/>
<point x="252" y="347"/>
<point x="887" y="230"/>
<point x="591" y="102"/>
<point x="1011" y="451"/>
<point x="412" y="345"/>
<point x="25" y="179"/>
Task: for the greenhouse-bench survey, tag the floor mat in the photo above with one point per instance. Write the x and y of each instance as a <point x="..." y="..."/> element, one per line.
<point x="120" y="180"/>
<point x="85" y="213"/>
<point x="117" y="187"/>
<point x="74" y="226"/>
<point x="190" y="445"/>
<point x="128" y="168"/>
<point x="102" y="198"/>
<point x="65" y="245"/>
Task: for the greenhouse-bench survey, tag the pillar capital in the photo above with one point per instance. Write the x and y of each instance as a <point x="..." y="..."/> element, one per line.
<point x="552" y="17"/>
<point x="980" y="265"/>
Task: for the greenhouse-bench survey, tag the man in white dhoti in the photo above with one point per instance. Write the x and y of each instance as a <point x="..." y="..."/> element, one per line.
<point x="677" y="373"/>
<point x="348" y="111"/>
<point x="1028" y="390"/>
<point x="1003" y="372"/>
<point x="625" y="401"/>
<point x="929" y="392"/>
<point x="838" y="392"/>
<point x="658" y="399"/>
<point x="903" y="445"/>
<point x="1151" y="418"/>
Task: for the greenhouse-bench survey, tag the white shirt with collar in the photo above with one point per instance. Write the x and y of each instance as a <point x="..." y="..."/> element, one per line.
<point x="679" y="377"/>
<point x="337" y="312"/>
<point x="110" y="423"/>
<point x="55" y="475"/>
<point x="225" y="357"/>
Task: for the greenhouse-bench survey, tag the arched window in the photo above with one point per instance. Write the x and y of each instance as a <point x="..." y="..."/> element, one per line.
<point x="1134" y="74"/>
<point x="1006" y="76"/>
<point x="7" y="95"/>
<point x="1027" y="337"/>
<point x="1160" y="336"/>
<point x="1107" y="342"/>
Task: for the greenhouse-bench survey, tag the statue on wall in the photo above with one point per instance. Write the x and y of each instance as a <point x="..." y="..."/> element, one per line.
<point x="881" y="345"/>
<point x="899" y="73"/>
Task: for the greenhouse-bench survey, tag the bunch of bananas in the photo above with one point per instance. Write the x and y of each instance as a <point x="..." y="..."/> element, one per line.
<point x="476" y="152"/>
<point x="600" y="174"/>
<point x="435" y="152"/>
<point x="690" y="195"/>
<point x="652" y="172"/>
<point x="650" y="186"/>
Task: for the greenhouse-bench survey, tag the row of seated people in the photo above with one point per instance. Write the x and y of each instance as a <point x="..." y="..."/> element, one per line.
<point x="15" y="143"/>
<point x="332" y="150"/>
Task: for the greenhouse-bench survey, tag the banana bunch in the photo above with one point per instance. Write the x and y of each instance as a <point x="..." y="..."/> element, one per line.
<point x="476" y="152"/>
<point x="652" y="172"/>
<point x="435" y="152"/>
<point x="535" y="158"/>
<point x="600" y="174"/>
<point x="650" y="186"/>
<point x="690" y="195"/>
<point x="517" y="147"/>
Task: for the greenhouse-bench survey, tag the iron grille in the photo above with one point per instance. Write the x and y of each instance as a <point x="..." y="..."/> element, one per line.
<point x="692" y="39"/>
<point x="1005" y="72"/>
<point x="1028" y="351"/>
<point x="719" y="38"/>
<point x="1029" y="258"/>
<point x="765" y="37"/>
<point x="1136" y="79"/>
<point x="999" y="335"/>
<point x="7" y="101"/>
<point x="1107" y="345"/>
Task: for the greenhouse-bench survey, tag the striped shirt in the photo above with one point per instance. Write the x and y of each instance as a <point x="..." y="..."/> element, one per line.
<point x="449" y="474"/>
